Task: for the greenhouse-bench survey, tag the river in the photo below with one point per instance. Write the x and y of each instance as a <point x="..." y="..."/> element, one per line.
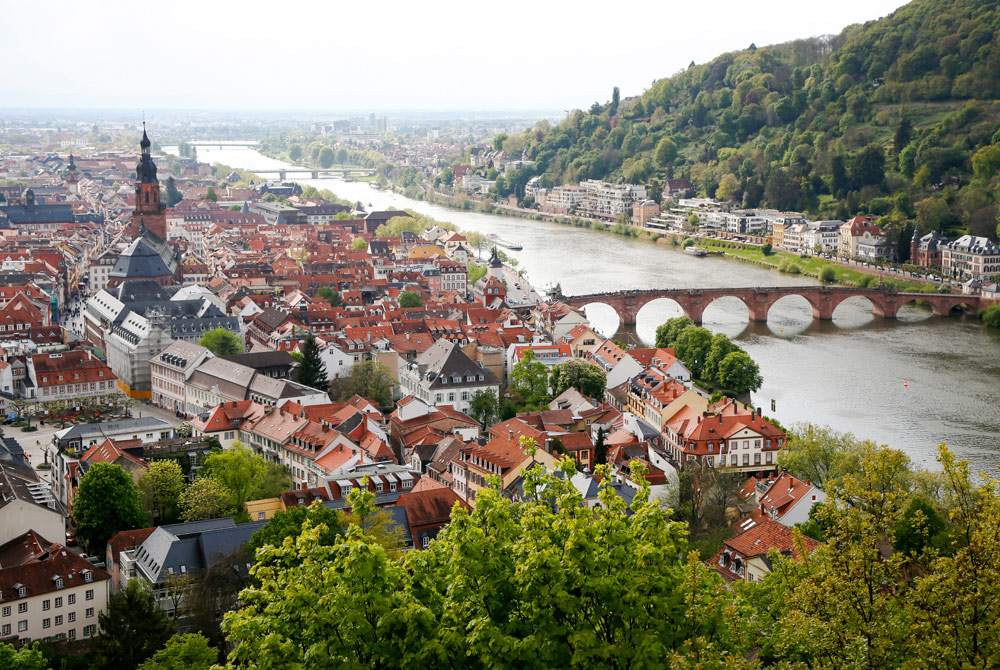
<point x="912" y="383"/>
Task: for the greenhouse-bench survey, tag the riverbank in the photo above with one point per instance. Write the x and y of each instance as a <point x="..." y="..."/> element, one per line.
<point x="779" y="261"/>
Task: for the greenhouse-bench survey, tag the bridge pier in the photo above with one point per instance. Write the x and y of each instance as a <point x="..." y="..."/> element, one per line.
<point x="758" y="312"/>
<point x="886" y="310"/>
<point x="823" y="310"/>
<point x="694" y="310"/>
<point x="281" y="175"/>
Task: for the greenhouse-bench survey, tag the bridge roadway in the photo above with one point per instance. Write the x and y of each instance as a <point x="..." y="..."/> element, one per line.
<point x="822" y="299"/>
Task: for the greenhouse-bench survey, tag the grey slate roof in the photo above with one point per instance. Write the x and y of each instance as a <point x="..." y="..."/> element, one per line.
<point x="191" y="547"/>
<point x="142" y="424"/>
<point x="445" y="359"/>
<point x="140" y="261"/>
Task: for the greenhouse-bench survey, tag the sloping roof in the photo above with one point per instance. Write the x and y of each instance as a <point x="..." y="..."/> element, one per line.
<point x="445" y="359"/>
<point x="140" y="261"/>
<point x="31" y="562"/>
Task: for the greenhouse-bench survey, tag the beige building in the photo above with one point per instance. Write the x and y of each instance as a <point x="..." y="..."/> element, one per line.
<point x="970" y="256"/>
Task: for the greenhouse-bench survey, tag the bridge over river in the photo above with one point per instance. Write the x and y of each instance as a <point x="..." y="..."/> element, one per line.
<point x="823" y="300"/>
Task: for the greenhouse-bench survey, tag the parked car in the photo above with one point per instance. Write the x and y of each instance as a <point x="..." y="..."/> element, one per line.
<point x="70" y="538"/>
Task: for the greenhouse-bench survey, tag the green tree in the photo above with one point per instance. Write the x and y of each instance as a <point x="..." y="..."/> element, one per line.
<point x="991" y="316"/>
<point x="221" y="342"/>
<point x="667" y="332"/>
<point x="326" y="157"/>
<point x="666" y="152"/>
<point x="161" y="487"/>
<point x="601" y="448"/>
<point x="173" y="196"/>
<point x="410" y="299"/>
<point x="721" y="347"/>
<point x="183" y="652"/>
<point x="766" y="249"/>
<point x="295" y="152"/>
<point x="400" y="224"/>
<point x="587" y="378"/>
<point x="608" y="588"/>
<point x="739" y="373"/>
<point x="206" y="498"/>
<point x="828" y="275"/>
<point x="530" y="379"/>
<point x="919" y="527"/>
<point x="245" y="474"/>
<point x="289" y="523"/>
<point x="132" y="629"/>
<point x="820" y="454"/>
<point x="904" y="133"/>
<point x="693" y="346"/>
<point x="312" y="370"/>
<point x="211" y="195"/>
<point x="868" y="167"/>
<point x="359" y="243"/>
<point x="484" y="407"/>
<point x="368" y="379"/>
<point x="986" y="162"/>
<point x="106" y="502"/>
<point x="22" y="658"/>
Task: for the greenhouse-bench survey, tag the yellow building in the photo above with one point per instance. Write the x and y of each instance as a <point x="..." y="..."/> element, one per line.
<point x="424" y="251"/>
<point x="264" y="509"/>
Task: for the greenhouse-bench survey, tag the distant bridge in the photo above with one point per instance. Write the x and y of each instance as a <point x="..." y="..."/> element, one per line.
<point x="317" y="174"/>
<point x="823" y="300"/>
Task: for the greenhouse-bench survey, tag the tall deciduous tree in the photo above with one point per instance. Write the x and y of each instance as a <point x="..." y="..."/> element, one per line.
<point x="368" y="379"/>
<point x="549" y="581"/>
<point x="739" y="373"/>
<point x="22" y="658"/>
<point x="221" y="342"/>
<point x="106" y="502"/>
<point x="484" y="407"/>
<point x="132" y="629"/>
<point x="409" y="299"/>
<point x="693" y="346"/>
<point x="183" y="652"/>
<point x="206" y="498"/>
<point x="585" y="377"/>
<point x="172" y="196"/>
<point x="245" y="474"/>
<point x="667" y="332"/>
<point x="530" y="379"/>
<point x="161" y="486"/>
<point x="312" y="369"/>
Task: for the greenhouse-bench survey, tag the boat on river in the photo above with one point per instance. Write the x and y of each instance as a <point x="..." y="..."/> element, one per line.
<point x="513" y="246"/>
<point x="695" y="251"/>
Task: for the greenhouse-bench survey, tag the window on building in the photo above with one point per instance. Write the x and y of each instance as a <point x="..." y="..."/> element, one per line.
<point x="71" y="599"/>
<point x="89" y="613"/>
<point x="59" y="602"/>
<point x="59" y="619"/>
<point x="22" y="625"/>
<point x="6" y="611"/>
<point x="90" y="594"/>
<point x="71" y="617"/>
<point x="22" y="608"/>
<point x="46" y="604"/>
<point x="46" y="623"/>
<point x="89" y="630"/>
<point x="426" y="542"/>
<point x="5" y="630"/>
<point x="746" y="459"/>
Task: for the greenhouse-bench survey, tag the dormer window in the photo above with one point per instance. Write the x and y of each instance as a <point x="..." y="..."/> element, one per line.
<point x="22" y="591"/>
<point x="88" y="576"/>
<point x="59" y="582"/>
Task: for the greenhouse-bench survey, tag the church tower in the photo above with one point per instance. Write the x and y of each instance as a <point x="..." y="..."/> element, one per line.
<point x="149" y="212"/>
<point x="495" y="265"/>
<point x="72" y="177"/>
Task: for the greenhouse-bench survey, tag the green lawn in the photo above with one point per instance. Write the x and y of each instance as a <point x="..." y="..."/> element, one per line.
<point x="810" y="266"/>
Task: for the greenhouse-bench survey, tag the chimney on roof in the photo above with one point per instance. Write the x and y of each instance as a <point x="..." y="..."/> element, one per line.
<point x="758" y="410"/>
<point x="510" y="433"/>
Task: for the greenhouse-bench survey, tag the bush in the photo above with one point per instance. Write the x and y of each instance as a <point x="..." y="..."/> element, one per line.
<point x="767" y="249"/>
<point x="866" y="281"/>
<point x="991" y="316"/>
<point x="29" y="429"/>
<point x="789" y="266"/>
<point x="828" y="275"/>
<point x="688" y="242"/>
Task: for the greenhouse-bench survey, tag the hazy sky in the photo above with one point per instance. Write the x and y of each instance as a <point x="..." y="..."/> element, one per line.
<point x="379" y="55"/>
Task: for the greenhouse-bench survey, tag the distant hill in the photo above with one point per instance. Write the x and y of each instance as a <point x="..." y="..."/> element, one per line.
<point x="898" y="118"/>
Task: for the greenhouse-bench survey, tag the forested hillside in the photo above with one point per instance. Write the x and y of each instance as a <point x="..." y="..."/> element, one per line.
<point x="896" y="118"/>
